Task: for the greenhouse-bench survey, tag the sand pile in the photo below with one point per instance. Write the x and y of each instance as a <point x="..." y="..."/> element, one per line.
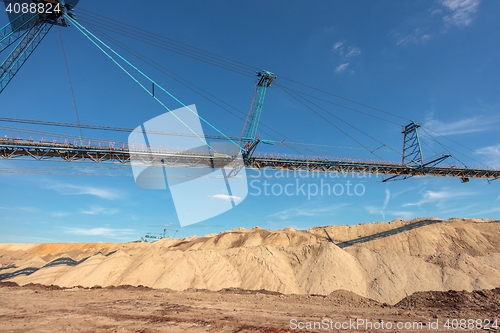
<point x="382" y="261"/>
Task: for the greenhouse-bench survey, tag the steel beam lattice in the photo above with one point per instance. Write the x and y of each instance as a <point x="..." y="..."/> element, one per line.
<point x="412" y="151"/>
<point x="253" y="118"/>
<point x="46" y="151"/>
<point x="18" y="56"/>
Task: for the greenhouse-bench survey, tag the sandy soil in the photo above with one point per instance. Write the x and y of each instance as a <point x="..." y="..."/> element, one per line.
<point x="382" y="261"/>
<point x="35" y="308"/>
<point x="425" y="271"/>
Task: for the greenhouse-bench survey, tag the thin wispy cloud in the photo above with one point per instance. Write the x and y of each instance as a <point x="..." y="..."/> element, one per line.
<point x="337" y="46"/>
<point x="439" y="18"/>
<point x="436" y="197"/>
<point x="93" y="210"/>
<point x="346" y="51"/>
<point x="492" y="152"/>
<point x="96" y="210"/>
<point x="417" y="36"/>
<point x="342" y="67"/>
<point x="460" y="12"/>
<point x="402" y="214"/>
<point x="387" y="198"/>
<point x="345" y="54"/>
<point x="352" y="51"/>
<point x="380" y="210"/>
<point x="306" y="212"/>
<point x="101" y="192"/>
<point x="59" y="215"/>
<point x="463" y="126"/>
<point x="21" y="209"/>
<point x="103" y="232"/>
<point x="486" y="211"/>
<point x="225" y="197"/>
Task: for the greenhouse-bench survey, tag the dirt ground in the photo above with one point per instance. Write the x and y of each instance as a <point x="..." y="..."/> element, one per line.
<point x="36" y="308"/>
<point x="384" y="261"/>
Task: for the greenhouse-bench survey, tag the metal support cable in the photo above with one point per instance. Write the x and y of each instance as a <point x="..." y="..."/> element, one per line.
<point x="99" y="19"/>
<point x="346" y="99"/>
<point x="348" y="124"/>
<point x="167" y="44"/>
<point x="19" y="28"/>
<point x="451" y="149"/>
<point x="328" y="121"/>
<point x="240" y="65"/>
<point x="183" y="81"/>
<point x="130" y="75"/>
<point x="82" y="29"/>
<point x="69" y="82"/>
<point x="461" y="145"/>
<point x="96" y="127"/>
<point x="188" y="84"/>
<point x="179" y="79"/>
<point x="21" y="53"/>
<point x="339" y="105"/>
<point x="102" y="18"/>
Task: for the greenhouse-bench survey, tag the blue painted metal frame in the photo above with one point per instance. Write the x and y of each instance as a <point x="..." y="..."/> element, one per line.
<point x="23" y="50"/>
<point x="9" y="35"/>
<point x="412" y="151"/>
<point x="31" y="30"/>
<point x="253" y="118"/>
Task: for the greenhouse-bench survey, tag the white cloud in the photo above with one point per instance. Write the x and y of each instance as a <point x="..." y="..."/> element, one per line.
<point x="463" y="126"/>
<point x="22" y="209"/>
<point x="95" y="210"/>
<point x="490" y="151"/>
<point x="344" y="53"/>
<point x="425" y="25"/>
<point x="417" y="36"/>
<point x="387" y="198"/>
<point x="226" y="197"/>
<point x="461" y="12"/>
<point x="352" y="51"/>
<point x="380" y="210"/>
<point x="105" y="232"/>
<point x="340" y="68"/>
<point x="436" y="11"/>
<point x="436" y="197"/>
<point x="59" y="214"/>
<point x="337" y="46"/>
<point x="306" y="212"/>
<point x="104" y="193"/>
<point x="402" y="214"/>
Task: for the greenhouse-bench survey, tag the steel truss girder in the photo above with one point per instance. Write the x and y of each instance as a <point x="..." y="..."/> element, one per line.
<point x="174" y="159"/>
<point x="113" y="155"/>
<point x="368" y="168"/>
<point x="9" y="36"/>
<point x="17" y="58"/>
<point x="412" y="151"/>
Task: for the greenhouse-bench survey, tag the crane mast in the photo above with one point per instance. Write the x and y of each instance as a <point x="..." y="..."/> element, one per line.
<point x="30" y="28"/>
<point x="249" y="138"/>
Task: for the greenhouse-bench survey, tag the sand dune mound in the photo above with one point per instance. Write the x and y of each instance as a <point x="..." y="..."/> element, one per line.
<point x="385" y="262"/>
<point x="249" y="238"/>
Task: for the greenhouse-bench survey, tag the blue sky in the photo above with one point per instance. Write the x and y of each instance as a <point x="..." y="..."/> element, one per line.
<point x="435" y="62"/>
